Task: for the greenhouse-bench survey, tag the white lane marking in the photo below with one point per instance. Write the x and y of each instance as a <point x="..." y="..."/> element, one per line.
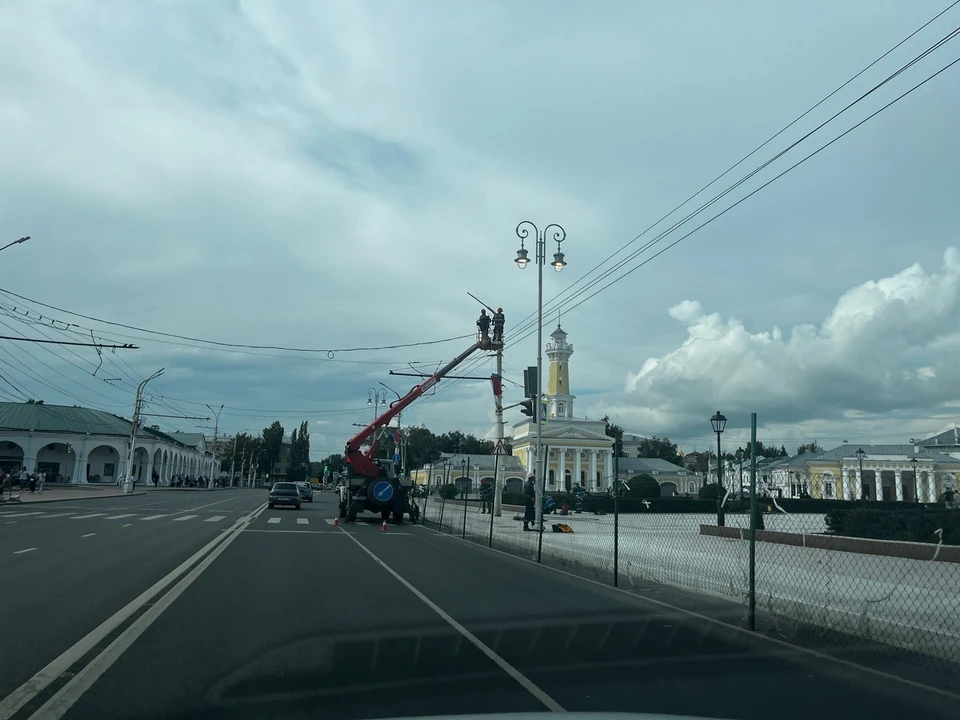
<point x="21" y="552"/>
<point x="22" y="514"/>
<point x="126" y="525"/>
<point x="84" y="517"/>
<point x="11" y="522"/>
<point x="119" y="517"/>
<point x="303" y="532"/>
<point x="330" y="522"/>
<point x="184" y="517"/>
<point x="88" y="535"/>
<point x="201" y="507"/>
<point x="35" y="685"/>
<point x="153" y="517"/>
<point x="302" y="521"/>
<point x="215" y="518"/>
<point x="509" y="669"/>
<point x="734" y="629"/>
<point x="273" y="521"/>
<point x="57" y="706"/>
<point x="66" y="514"/>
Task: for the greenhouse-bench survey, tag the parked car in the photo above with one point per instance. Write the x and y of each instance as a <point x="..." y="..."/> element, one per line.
<point x="306" y="492"/>
<point x="284" y="493"/>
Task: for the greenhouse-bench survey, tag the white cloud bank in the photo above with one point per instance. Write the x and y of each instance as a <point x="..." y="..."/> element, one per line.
<point x="888" y="345"/>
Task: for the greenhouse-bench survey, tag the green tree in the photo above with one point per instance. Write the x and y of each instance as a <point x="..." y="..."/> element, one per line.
<point x="810" y="447"/>
<point x="660" y="447"/>
<point x="299" y="453"/>
<point x="335" y="463"/>
<point x="710" y="491"/>
<point x="272" y="442"/>
<point x="616" y="432"/>
<point x="643" y="486"/>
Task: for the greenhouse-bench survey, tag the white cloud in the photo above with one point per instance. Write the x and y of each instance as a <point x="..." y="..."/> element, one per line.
<point x="888" y="345"/>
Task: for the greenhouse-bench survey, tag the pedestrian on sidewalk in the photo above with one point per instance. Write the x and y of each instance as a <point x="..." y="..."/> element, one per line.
<point x="529" y="502"/>
<point x="486" y="495"/>
<point x="41" y="481"/>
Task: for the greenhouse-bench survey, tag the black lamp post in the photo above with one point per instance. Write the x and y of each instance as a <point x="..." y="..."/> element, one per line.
<point x="719" y="422"/>
<point x="916" y="482"/>
<point x="860" y="456"/>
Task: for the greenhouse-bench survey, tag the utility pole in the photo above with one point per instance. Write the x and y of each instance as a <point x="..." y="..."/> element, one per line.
<point x="498" y="475"/>
<point x="216" y="435"/>
<point x="134" y="426"/>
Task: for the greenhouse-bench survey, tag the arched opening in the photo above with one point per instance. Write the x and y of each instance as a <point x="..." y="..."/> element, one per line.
<point x="551" y="477"/>
<point x="103" y="464"/>
<point x="668" y="489"/>
<point x="11" y="456"/>
<point x="155" y="476"/>
<point x="513" y="485"/>
<point x="567" y="480"/>
<point x="463" y="486"/>
<point x="57" y="460"/>
<point x="140" y="459"/>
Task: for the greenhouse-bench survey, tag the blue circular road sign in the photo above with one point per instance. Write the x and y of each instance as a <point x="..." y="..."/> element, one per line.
<point x="383" y="491"/>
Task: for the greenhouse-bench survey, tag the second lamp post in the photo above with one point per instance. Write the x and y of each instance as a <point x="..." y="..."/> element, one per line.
<point x="719" y="422"/>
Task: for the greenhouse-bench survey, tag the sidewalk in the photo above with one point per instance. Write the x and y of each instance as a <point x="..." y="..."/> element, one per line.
<point x="59" y="493"/>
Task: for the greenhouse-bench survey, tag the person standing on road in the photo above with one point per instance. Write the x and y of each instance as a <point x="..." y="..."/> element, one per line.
<point x="578" y="493"/>
<point x="486" y="495"/>
<point x="529" y="503"/>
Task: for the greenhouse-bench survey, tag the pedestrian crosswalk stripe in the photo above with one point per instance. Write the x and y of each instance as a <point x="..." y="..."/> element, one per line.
<point x="119" y="517"/>
<point x="215" y="518"/>
<point x="184" y="517"/>
<point x="84" y="517"/>
<point x="154" y="517"/>
<point x="302" y="521"/>
<point x="273" y="521"/>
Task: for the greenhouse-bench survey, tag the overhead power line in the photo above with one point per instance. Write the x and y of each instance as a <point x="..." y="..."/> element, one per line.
<point x="217" y="343"/>
<point x="64" y="342"/>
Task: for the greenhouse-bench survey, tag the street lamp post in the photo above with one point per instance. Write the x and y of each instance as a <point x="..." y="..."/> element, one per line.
<point x="398" y="450"/>
<point x="719" y="422"/>
<point x="558" y="235"/>
<point x="376" y="399"/>
<point x="860" y="456"/>
<point x="916" y="482"/>
<point x="15" y="242"/>
<point x="216" y="436"/>
<point x="134" y="427"/>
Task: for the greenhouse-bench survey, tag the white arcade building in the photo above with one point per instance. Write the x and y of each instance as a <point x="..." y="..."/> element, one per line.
<point x="81" y="445"/>
<point x="577" y="448"/>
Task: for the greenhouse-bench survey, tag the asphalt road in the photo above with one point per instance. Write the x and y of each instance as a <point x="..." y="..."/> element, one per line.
<point x="289" y="616"/>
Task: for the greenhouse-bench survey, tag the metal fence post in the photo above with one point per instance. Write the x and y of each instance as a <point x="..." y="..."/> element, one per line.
<point x="753" y="521"/>
<point x="443" y="505"/>
<point x="616" y="513"/>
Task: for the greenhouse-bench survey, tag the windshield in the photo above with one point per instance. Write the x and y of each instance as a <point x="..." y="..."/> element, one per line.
<point x="597" y="357"/>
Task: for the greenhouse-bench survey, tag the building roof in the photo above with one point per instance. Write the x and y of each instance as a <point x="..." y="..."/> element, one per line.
<point x="70" y="420"/>
<point x="652" y="466"/>
<point x="848" y="451"/>
<point x="191" y="439"/>
<point x="947" y="437"/>
<point x="509" y="463"/>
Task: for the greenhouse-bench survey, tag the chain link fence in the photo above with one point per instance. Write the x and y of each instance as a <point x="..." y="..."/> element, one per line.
<point x="879" y="581"/>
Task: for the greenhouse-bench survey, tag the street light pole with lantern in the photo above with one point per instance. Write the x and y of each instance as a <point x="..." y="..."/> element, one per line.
<point x="556" y="234"/>
<point x="860" y="456"/>
<point x="719" y="422"/>
<point x="916" y="482"/>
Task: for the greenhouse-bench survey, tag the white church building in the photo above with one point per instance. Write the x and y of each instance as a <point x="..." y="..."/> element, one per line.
<point x="577" y="449"/>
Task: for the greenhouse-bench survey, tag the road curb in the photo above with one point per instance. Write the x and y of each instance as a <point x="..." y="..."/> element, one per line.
<point x="40" y="502"/>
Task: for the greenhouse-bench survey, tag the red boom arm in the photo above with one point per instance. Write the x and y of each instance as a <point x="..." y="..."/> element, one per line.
<point x="362" y="465"/>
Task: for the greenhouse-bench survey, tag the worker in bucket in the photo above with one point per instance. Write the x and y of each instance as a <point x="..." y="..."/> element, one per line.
<point x="498" y="321"/>
<point x="483" y="324"/>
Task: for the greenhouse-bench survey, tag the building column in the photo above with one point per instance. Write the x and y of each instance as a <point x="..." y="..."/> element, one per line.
<point x="80" y="468"/>
<point x="608" y="467"/>
<point x="148" y="478"/>
<point x="561" y="467"/>
<point x="858" y="488"/>
<point x="592" y="480"/>
<point x="577" y="464"/>
<point x="530" y="459"/>
<point x="898" y="485"/>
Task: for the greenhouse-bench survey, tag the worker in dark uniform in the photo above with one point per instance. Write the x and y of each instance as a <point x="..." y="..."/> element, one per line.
<point x="483" y="324"/>
<point x="498" y="325"/>
<point x="529" y="503"/>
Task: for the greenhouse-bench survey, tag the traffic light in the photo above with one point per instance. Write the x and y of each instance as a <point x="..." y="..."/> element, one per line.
<point x="526" y="407"/>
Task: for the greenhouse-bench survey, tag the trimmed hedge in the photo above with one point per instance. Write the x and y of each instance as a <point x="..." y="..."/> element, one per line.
<point x="906" y="524"/>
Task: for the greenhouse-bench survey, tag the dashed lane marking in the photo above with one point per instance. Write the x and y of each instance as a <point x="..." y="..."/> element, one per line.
<point x="303" y="521"/>
<point x="88" y="535"/>
<point x="215" y="518"/>
<point x="154" y="517"/>
<point x="84" y="517"/>
<point x="120" y="517"/>
<point x="21" y="552"/>
<point x="184" y="517"/>
<point x="273" y="521"/>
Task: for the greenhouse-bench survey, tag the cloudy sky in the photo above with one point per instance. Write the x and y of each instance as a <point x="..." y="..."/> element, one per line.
<point x="332" y="175"/>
